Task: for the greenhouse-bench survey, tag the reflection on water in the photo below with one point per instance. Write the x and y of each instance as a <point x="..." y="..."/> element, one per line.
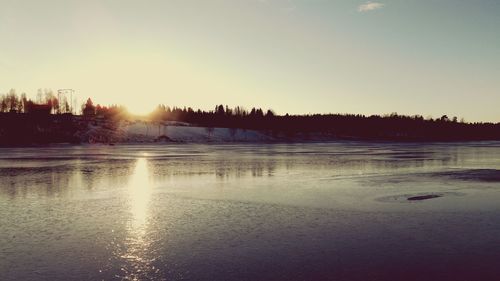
<point x="106" y="172"/>
<point x="250" y="212"/>
<point x="136" y="263"/>
<point x="139" y="190"/>
<point x="55" y="172"/>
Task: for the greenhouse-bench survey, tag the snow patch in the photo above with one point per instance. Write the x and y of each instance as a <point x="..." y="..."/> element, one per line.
<point x="149" y="131"/>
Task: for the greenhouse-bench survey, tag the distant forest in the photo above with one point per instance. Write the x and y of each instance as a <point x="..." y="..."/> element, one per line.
<point x="328" y="126"/>
<point x="346" y="126"/>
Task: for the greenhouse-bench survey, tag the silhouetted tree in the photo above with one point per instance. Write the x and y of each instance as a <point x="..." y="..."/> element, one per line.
<point x="3" y="104"/>
<point x="89" y="108"/>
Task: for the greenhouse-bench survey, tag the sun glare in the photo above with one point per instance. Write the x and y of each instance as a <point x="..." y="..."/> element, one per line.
<point x="139" y="192"/>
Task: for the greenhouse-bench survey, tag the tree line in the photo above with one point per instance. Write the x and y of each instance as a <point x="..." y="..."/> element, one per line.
<point x="12" y="102"/>
<point x="356" y="126"/>
<point x="392" y="126"/>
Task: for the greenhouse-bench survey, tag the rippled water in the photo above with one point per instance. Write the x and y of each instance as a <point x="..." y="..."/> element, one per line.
<point x="327" y="211"/>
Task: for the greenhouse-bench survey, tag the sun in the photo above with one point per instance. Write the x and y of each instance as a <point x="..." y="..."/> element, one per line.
<point x="139" y="109"/>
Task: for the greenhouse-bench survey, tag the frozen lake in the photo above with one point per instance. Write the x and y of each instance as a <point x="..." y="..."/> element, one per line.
<point x="325" y="211"/>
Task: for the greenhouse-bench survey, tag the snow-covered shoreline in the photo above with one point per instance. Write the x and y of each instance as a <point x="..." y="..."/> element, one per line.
<point x="176" y="132"/>
<point x="149" y="132"/>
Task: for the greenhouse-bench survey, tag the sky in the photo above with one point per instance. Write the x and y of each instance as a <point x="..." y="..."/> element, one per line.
<point x="293" y="56"/>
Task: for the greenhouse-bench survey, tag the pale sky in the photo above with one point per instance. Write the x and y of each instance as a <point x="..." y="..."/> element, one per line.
<point x="316" y="56"/>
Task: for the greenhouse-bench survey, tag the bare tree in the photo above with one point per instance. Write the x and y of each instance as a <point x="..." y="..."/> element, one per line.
<point x="233" y="132"/>
<point x="3" y="104"/>
<point x="210" y="131"/>
<point x="12" y="100"/>
<point x="39" y="96"/>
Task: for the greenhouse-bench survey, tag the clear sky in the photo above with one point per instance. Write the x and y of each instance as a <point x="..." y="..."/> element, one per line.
<point x="407" y="56"/>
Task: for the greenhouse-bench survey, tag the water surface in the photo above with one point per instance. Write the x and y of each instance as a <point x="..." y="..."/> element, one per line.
<point x="324" y="211"/>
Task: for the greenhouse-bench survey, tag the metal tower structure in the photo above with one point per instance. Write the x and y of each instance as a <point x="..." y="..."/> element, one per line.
<point x="64" y="93"/>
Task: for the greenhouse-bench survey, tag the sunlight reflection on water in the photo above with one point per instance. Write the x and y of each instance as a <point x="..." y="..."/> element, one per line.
<point x="136" y="264"/>
<point x="139" y="191"/>
<point x="332" y="211"/>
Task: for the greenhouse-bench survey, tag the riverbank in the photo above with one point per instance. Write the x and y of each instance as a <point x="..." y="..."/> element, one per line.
<point x="28" y="129"/>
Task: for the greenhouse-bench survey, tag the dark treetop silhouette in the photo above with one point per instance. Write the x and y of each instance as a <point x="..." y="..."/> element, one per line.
<point x="49" y="120"/>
